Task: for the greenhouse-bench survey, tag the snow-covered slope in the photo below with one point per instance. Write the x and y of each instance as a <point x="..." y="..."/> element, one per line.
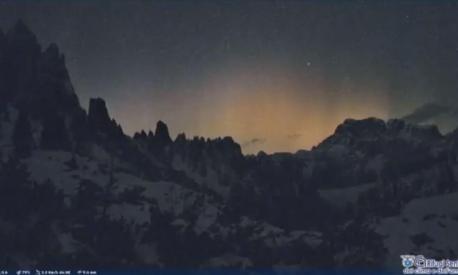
<point x="426" y="226"/>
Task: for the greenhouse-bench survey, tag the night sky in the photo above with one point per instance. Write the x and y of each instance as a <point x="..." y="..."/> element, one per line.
<point x="277" y="76"/>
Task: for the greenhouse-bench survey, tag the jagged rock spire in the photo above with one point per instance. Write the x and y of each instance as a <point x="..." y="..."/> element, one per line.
<point x="37" y="82"/>
<point x="162" y="135"/>
<point x="98" y="113"/>
<point x="53" y="50"/>
<point x="22" y="39"/>
<point x="181" y="138"/>
<point x="21" y="28"/>
<point x="100" y="122"/>
<point x="52" y="60"/>
<point x="150" y="134"/>
<point x="140" y="135"/>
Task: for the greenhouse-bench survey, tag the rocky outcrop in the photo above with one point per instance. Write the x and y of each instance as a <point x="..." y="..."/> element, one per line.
<point x="100" y="122"/>
<point x="33" y="80"/>
<point x="161" y="135"/>
<point x="21" y="53"/>
<point x="98" y="114"/>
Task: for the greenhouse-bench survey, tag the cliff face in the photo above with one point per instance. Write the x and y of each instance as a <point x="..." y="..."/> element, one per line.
<point x="36" y="81"/>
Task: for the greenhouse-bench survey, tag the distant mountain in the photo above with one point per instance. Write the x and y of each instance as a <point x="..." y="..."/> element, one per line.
<point x="75" y="191"/>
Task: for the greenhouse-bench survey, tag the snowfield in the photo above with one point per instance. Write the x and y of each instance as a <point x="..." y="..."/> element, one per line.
<point x="427" y="226"/>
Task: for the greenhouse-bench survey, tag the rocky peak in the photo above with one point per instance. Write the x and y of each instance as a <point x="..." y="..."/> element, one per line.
<point x="20" y="29"/>
<point x="181" y="138"/>
<point x="424" y="132"/>
<point x="52" y="51"/>
<point x="229" y="146"/>
<point x="377" y="128"/>
<point x="34" y="81"/>
<point x="52" y="57"/>
<point x="21" y="39"/>
<point x="100" y="123"/>
<point x="261" y="154"/>
<point x="53" y="81"/>
<point x="373" y="132"/>
<point x="352" y="130"/>
<point x="162" y="133"/>
<point x="98" y="113"/>
<point x="360" y="128"/>
<point x="140" y="136"/>
<point x="143" y="134"/>
<point x="21" y="52"/>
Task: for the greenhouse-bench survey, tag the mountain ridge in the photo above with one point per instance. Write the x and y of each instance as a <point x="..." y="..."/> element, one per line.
<point x="94" y="196"/>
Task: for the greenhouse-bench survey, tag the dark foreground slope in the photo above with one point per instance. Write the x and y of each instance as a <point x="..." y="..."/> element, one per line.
<point x="75" y="191"/>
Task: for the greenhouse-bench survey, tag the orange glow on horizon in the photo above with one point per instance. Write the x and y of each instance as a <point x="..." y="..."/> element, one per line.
<point x="280" y="111"/>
